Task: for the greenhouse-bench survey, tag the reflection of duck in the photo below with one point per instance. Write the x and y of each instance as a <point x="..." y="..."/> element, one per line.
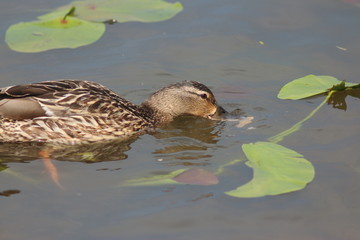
<point x="90" y="152"/>
<point x="74" y="111"/>
<point x="188" y="141"/>
<point x="178" y="139"/>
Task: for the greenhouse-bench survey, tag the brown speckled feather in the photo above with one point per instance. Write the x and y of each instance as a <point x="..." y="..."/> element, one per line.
<point x="73" y="111"/>
<point x="72" y="97"/>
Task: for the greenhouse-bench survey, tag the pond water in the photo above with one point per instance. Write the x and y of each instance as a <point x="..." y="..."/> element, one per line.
<point x="244" y="51"/>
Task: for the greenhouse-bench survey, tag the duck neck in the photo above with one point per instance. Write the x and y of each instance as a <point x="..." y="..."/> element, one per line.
<point x="156" y="116"/>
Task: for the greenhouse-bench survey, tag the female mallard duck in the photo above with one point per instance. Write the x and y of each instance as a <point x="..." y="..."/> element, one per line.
<point x="74" y="111"/>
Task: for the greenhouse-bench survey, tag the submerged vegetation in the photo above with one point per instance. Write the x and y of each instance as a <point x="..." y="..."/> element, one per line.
<point x="276" y="169"/>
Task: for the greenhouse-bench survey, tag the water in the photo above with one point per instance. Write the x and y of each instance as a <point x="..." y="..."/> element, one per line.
<point x="217" y="43"/>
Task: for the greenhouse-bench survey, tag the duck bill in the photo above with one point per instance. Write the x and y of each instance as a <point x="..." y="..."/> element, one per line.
<point x="220" y="113"/>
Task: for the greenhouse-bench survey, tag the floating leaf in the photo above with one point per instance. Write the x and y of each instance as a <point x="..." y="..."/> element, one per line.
<point x="40" y="36"/>
<point x="121" y="10"/>
<point x="344" y="85"/>
<point x="197" y="176"/>
<point x="277" y="170"/>
<point x="155" y="180"/>
<point x="308" y="86"/>
<point x="188" y="176"/>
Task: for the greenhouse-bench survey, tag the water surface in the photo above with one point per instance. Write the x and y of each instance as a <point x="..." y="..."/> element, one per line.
<point x="218" y="43"/>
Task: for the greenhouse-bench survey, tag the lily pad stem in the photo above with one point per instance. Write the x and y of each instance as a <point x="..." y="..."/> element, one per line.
<point x="70" y="13"/>
<point x="279" y="137"/>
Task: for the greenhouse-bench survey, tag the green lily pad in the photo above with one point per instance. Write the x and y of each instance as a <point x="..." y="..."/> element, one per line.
<point x="277" y="170"/>
<point x="55" y="33"/>
<point x="121" y="10"/>
<point x="308" y="86"/>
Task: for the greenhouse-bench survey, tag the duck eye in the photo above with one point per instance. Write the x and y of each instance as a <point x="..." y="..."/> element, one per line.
<point x="204" y="96"/>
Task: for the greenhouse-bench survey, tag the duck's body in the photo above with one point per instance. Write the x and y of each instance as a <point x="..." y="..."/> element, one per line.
<point x="74" y="111"/>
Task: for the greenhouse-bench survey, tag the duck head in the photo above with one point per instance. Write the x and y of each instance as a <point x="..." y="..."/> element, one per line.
<point x="184" y="98"/>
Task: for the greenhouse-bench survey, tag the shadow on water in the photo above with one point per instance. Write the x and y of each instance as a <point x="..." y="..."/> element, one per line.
<point x="337" y="100"/>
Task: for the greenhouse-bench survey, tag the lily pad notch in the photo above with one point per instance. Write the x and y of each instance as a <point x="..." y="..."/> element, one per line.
<point x="81" y="23"/>
<point x="61" y="32"/>
<point x="276" y="170"/>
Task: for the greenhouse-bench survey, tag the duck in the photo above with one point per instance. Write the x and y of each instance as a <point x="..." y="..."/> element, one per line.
<point x="69" y="111"/>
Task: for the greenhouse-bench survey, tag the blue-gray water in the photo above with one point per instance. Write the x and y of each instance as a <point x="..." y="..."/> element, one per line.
<point x="217" y="43"/>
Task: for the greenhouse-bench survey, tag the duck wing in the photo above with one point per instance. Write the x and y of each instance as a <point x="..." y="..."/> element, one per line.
<point x="62" y="98"/>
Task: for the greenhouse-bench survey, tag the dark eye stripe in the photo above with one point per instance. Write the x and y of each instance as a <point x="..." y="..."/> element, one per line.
<point x="202" y="95"/>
